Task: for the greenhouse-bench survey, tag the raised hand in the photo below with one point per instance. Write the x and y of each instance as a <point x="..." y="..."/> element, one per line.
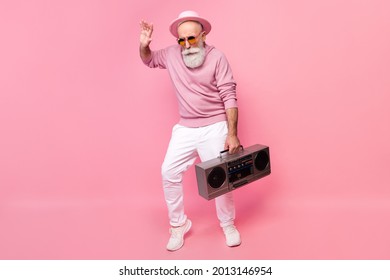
<point x="146" y="33"/>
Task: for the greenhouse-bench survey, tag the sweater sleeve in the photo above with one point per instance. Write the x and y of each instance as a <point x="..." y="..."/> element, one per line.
<point x="225" y="83"/>
<point x="157" y="59"/>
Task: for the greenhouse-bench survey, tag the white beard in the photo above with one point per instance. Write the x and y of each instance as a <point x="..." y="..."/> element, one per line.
<point x="194" y="56"/>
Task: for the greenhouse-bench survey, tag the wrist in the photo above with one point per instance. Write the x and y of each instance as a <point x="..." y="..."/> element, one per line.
<point x="232" y="133"/>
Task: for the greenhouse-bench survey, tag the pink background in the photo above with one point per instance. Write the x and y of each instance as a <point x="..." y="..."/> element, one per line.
<point x="84" y="127"/>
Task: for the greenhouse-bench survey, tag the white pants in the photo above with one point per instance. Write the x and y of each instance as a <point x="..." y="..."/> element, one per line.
<point x="185" y="146"/>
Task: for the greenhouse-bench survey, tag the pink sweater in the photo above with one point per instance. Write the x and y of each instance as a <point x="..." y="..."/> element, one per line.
<point x="203" y="93"/>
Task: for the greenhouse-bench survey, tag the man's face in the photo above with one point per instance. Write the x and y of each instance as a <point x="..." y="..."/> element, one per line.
<point x="193" y="50"/>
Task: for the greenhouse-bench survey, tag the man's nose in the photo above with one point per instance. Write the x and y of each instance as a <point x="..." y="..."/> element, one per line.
<point x="188" y="45"/>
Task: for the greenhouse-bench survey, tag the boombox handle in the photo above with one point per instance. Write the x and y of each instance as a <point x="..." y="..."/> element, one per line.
<point x="227" y="150"/>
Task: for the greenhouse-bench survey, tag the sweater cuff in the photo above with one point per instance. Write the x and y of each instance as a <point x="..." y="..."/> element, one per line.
<point x="231" y="103"/>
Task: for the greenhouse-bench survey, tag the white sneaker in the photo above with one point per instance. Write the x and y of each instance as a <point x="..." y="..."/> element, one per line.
<point x="176" y="241"/>
<point x="232" y="236"/>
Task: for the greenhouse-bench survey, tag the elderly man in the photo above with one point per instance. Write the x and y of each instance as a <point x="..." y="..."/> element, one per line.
<point x="206" y="93"/>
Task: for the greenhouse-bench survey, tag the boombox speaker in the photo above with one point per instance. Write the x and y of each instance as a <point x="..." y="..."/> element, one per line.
<point x="229" y="172"/>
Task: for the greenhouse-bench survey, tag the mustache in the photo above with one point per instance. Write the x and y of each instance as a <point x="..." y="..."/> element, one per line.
<point x="191" y="51"/>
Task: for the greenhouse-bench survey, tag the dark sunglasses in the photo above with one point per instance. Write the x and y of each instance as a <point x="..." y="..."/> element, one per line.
<point x="190" y="39"/>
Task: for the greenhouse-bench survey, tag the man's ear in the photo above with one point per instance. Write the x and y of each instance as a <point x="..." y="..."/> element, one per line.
<point x="204" y="37"/>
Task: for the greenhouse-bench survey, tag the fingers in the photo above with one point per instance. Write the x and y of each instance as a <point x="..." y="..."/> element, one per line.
<point x="233" y="150"/>
<point x="233" y="144"/>
<point x="145" y="26"/>
<point x="146" y="33"/>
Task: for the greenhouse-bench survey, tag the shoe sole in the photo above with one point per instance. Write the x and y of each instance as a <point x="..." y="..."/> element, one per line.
<point x="233" y="245"/>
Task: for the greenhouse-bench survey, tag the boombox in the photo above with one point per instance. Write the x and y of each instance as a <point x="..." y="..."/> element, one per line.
<point x="229" y="172"/>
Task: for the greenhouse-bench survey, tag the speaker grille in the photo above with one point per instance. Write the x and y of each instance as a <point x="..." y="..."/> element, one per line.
<point x="216" y="177"/>
<point x="261" y="160"/>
